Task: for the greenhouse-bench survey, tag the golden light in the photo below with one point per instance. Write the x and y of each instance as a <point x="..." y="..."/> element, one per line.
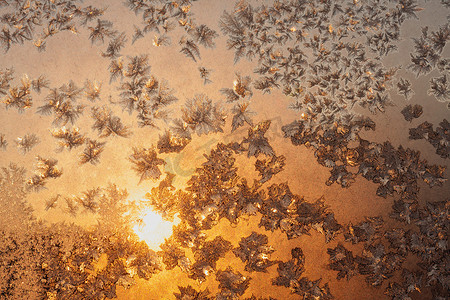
<point x="153" y="229"/>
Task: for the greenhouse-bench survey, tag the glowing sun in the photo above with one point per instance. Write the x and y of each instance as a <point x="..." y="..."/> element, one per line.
<point x="153" y="229"/>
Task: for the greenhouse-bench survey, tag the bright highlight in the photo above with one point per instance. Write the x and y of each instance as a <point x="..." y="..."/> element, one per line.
<point x="153" y="229"/>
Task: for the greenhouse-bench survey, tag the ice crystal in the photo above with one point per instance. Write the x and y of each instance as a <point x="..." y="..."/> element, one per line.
<point x="255" y="253"/>
<point x="27" y="142"/>
<point x="145" y="163"/>
<point x="202" y="115"/>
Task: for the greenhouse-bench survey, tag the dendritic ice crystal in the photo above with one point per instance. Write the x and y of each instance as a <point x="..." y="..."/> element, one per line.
<point x="206" y="149"/>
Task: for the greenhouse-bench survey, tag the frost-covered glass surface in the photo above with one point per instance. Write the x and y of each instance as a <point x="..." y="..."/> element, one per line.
<point x="206" y="149"/>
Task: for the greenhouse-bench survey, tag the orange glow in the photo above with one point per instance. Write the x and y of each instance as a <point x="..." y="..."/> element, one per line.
<point x="153" y="229"/>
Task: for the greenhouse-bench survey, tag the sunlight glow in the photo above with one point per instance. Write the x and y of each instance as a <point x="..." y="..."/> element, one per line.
<point x="153" y="229"/>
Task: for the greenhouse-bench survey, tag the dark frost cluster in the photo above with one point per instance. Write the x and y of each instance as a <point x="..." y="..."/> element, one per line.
<point x="412" y="281"/>
<point x="231" y="284"/>
<point x="366" y="231"/>
<point x="294" y="216"/>
<point x="268" y="168"/>
<point x="394" y="170"/>
<point x="343" y="261"/>
<point x="404" y="88"/>
<point x="255" y="253"/>
<point x="257" y="142"/>
<point x="411" y="112"/>
<point x="377" y="264"/>
<point x="438" y="138"/>
<point x="289" y="275"/>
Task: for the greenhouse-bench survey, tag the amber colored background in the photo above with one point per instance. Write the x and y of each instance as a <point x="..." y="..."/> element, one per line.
<point x="72" y="57"/>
